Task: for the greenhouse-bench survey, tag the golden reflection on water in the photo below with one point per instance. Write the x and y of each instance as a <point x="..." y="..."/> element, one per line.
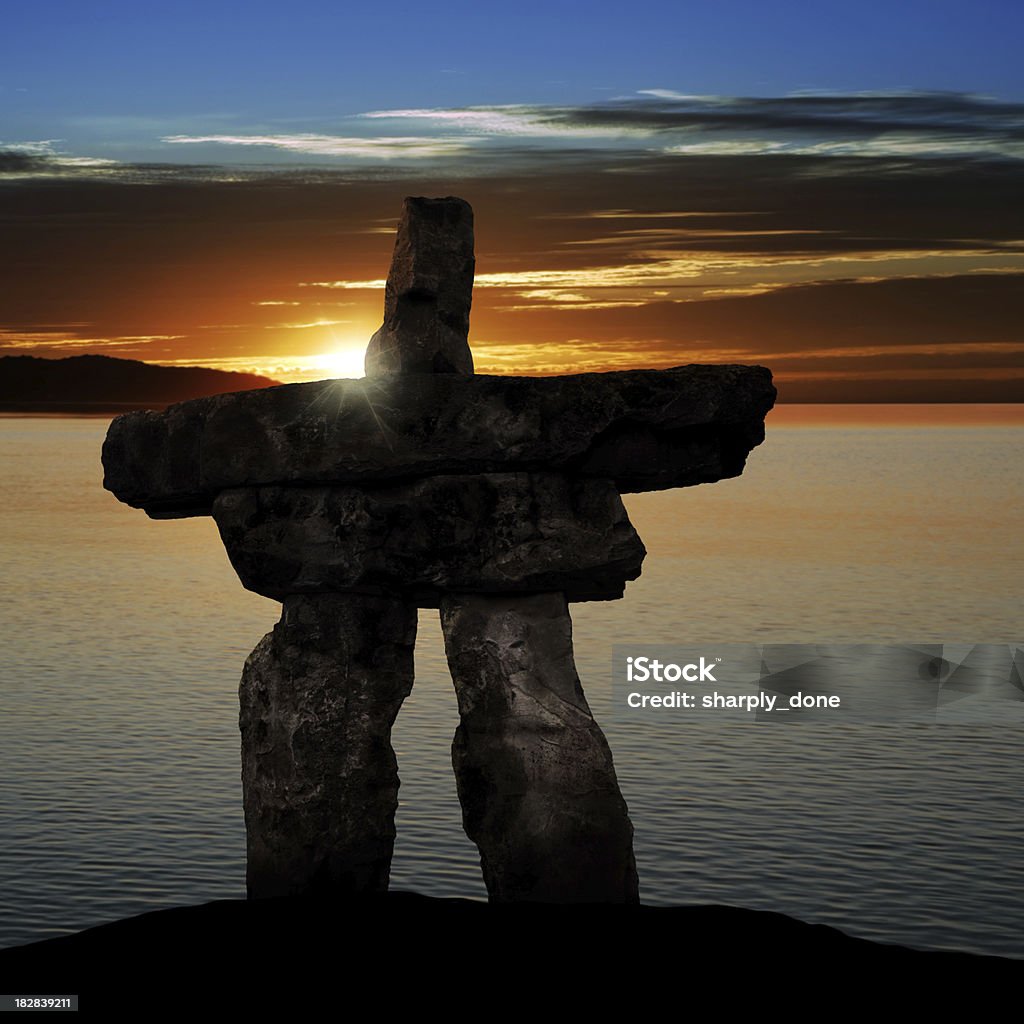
<point x="122" y="641"/>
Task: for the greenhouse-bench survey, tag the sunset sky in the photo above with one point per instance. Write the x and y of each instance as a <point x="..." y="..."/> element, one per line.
<point x="835" y="191"/>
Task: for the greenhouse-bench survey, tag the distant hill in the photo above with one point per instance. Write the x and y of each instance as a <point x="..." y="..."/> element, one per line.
<point x="101" y="383"/>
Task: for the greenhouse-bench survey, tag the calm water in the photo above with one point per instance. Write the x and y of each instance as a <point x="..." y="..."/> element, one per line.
<point x="123" y="639"/>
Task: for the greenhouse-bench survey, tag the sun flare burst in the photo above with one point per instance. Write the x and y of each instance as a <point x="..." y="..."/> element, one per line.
<point x="345" y="361"/>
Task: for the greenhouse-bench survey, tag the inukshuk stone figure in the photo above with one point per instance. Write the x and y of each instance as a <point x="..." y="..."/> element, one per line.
<point x="494" y="499"/>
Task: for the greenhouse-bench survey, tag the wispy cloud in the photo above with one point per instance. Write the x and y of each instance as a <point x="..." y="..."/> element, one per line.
<point x="312" y="144"/>
<point x="374" y="284"/>
<point x="672" y="94"/>
<point x="652" y="214"/>
<point x="38" y="147"/>
<point x="553" y="298"/>
<point x="513" y="120"/>
<point x="41" y="158"/>
<point x="930" y="349"/>
<point x="660" y="271"/>
<point x="633" y="237"/>
<point x="904" y="124"/>
<point x="479" y="141"/>
<point x="12" y="339"/>
<point x="885" y="144"/>
<point x="305" y="325"/>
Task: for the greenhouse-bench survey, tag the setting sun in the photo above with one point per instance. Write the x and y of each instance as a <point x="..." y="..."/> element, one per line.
<point x="346" y="361"/>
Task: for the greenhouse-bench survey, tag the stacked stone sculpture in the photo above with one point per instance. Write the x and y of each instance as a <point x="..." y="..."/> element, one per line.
<point x="494" y="499"/>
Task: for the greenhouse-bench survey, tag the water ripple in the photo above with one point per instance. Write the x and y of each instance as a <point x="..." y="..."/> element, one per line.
<point x="123" y="641"/>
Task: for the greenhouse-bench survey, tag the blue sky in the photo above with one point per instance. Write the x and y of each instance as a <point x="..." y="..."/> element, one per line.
<point x="115" y="79"/>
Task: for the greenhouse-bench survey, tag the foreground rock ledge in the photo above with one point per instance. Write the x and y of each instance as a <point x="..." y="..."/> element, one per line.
<point x="641" y="429"/>
<point x="306" y="954"/>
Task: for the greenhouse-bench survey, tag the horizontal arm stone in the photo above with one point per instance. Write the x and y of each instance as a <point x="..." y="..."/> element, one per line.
<point x="486" y="533"/>
<point x="641" y="429"/>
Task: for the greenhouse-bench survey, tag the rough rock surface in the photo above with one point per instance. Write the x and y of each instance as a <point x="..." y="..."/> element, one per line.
<point x="428" y="293"/>
<point x="320" y="781"/>
<point x="490" y="532"/>
<point x="496" y="498"/>
<point x="642" y="429"/>
<point x="534" y="771"/>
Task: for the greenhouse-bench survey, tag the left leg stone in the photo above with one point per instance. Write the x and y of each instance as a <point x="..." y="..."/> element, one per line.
<point x="320" y="783"/>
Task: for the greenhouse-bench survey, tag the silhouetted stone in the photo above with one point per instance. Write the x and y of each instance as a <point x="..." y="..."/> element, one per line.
<point x="491" y="533"/>
<point x="496" y="497"/>
<point x="428" y="293"/>
<point x="642" y="429"/>
<point x="535" y="777"/>
<point x="319" y="777"/>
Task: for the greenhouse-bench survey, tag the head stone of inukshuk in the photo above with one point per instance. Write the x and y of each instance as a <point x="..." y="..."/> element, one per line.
<point x="422" y="485"/>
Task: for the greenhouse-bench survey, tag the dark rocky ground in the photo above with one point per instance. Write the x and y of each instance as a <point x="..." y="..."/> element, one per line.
<point x="403" y="952"/>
